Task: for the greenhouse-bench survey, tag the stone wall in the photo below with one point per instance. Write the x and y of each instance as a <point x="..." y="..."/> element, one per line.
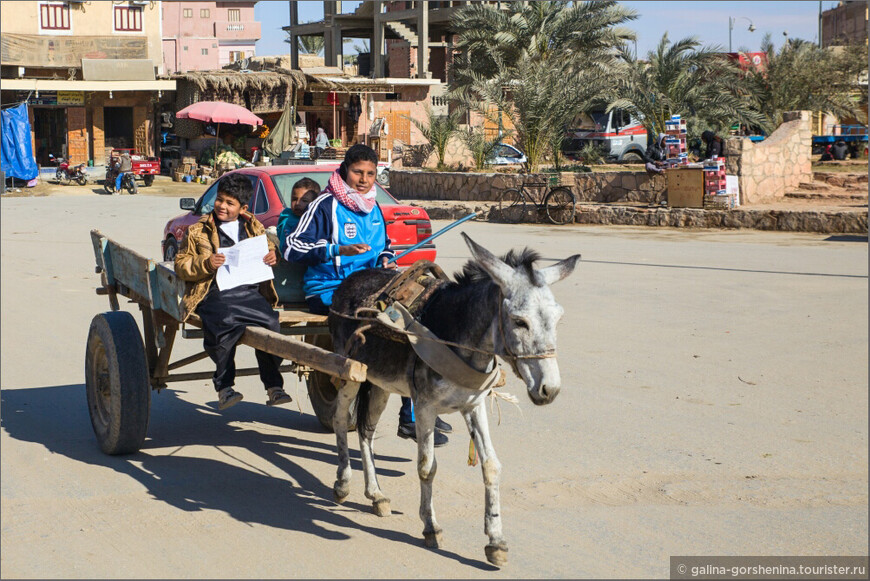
<point x="624" y="186"/>
<point x="768" y="169"/>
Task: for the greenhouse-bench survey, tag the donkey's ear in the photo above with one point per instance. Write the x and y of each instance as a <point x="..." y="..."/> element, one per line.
<point x="500" y="272"/>
<point x="558" y="271"/>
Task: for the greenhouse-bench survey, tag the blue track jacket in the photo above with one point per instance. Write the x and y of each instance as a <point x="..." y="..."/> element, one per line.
<point x="324" y="227"/>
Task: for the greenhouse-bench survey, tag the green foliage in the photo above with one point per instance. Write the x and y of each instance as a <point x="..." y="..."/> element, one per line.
<point x="698" y="83"/>
<point x="309" y="44"/>
<point x="591" y="154"/>
<point x="539" y="63"/>
<point x="438" y="130"/>
<point x="480" y="147"/>
<point x="802" y="76"/>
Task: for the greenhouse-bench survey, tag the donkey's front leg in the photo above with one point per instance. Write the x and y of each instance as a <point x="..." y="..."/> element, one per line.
<point x="377" y="402"/>
<point x="478" y="427"/>
<point x="346" y="394"/>
<point x="426" y="468"/>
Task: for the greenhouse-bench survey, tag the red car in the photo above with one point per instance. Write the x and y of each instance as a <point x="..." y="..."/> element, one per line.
<point x="406" y="225"/>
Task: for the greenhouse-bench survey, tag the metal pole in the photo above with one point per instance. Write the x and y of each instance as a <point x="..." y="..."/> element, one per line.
<point x="730" y="28"/>
<point x="820" y="23"/>
<point x="436" y="235"/>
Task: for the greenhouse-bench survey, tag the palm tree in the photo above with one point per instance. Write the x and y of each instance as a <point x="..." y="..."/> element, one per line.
<point x="309" y="44"/>
<point x="480" y="147"/>
<point x="438" y="130"/>
<point x="539" y="63"/>
<point x="802" y="76"/>
<point x="683" y="78"/>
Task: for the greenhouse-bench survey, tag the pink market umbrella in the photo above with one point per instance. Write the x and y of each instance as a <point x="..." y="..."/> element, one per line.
<point x="218" y="112"/>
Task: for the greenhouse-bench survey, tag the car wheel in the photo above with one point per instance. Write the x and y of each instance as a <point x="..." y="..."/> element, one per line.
<point x="170" y="249"/>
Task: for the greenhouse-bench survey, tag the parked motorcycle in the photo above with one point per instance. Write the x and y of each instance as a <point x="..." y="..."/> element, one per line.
<point x="128" y="182"/>
<point x="65" y="174"/>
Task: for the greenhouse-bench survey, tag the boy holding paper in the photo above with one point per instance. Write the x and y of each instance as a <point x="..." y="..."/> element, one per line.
<point x="226" y="312"/>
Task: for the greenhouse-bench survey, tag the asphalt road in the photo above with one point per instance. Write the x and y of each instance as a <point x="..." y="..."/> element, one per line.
<point x="715" y="402"/>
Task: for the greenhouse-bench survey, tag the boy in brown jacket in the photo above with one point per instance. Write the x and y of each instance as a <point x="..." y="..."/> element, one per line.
<point x="226" y="313"/>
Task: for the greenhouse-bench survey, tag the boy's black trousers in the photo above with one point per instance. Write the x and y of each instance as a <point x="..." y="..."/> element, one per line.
<point x="225" y="314"/>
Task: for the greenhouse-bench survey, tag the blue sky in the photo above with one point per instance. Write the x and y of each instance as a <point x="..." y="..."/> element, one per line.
<point x="706" y="19"/>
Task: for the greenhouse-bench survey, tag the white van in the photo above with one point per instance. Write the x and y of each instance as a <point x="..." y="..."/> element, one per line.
<point x="617" y="134"/>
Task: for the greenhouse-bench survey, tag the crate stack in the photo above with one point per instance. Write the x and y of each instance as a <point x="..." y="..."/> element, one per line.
<point x="675" y="142"/>
<point x="716" y="196"/>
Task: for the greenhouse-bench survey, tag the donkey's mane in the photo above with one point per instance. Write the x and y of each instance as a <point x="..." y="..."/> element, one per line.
<point x="472" y="272"/>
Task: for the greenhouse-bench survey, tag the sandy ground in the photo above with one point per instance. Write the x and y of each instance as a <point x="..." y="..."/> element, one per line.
<point x="715" y="402"/>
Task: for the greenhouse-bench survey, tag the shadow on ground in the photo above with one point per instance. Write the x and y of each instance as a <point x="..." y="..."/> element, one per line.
<point x="57" y="418"/>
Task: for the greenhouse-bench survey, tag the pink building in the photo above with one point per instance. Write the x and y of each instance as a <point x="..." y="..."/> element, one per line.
<point x="201" y="36"/>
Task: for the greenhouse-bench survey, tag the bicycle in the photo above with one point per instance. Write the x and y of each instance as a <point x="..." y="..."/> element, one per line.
<point x="558" y="203"/>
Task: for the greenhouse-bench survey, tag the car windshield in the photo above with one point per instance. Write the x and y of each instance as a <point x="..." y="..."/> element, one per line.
<point x="596" y="120"/>
<point x="284" y="186"/>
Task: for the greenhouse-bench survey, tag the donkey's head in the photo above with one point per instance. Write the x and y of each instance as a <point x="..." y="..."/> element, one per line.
<point x="527" y="317"/>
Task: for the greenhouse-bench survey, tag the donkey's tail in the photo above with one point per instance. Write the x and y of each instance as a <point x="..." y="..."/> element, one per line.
<point x="363" y="398"/>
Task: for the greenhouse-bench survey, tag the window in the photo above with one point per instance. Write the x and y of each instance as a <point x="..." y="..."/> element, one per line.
<point x="234" y="15"/>
<point x="185" y="48"/>
<point x="236" y="55"/>
<point x="54" y="16"/>
<point x="204" y="13"/>
<point x="188" y="12"/>
<point x="261" y="203"/>
<point x="128" y="18"/>
<point x="204" y="52"/>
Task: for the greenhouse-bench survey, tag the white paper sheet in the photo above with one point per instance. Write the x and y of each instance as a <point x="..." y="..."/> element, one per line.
<point x="244" y="263"/>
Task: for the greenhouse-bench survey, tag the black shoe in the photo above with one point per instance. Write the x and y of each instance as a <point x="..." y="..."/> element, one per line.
<point x="443" y="426"/>
<point x="410" y="431"/>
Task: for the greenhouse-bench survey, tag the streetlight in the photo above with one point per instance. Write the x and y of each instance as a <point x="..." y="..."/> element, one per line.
<point x="731" y="21"/>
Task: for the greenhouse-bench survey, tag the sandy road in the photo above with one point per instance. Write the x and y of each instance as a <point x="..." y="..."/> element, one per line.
<point x="715" y="402"/>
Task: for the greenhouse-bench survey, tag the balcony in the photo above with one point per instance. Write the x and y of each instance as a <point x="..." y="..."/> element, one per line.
<point x="243" y="30"/>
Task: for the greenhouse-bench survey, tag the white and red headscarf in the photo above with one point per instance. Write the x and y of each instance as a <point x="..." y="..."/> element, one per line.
<point x="349" y="197"/>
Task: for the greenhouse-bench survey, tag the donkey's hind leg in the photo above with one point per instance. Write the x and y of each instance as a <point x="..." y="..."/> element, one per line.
<point x="478" y="427"/>
<point x="347" y="392"/>
<point x="376" y="403"/>
<point x="427" y="466"/>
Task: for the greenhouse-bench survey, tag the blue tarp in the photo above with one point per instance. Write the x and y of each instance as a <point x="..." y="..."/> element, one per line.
<point x="16" y="151"/>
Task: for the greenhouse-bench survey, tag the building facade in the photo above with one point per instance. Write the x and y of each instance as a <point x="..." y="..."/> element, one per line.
<point x="202" y="36"/>
<point x="846" y="23"/>
<point x="88" y="73"/>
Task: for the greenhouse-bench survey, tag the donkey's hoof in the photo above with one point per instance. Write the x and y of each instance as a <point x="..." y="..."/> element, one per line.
<point x="497" y="554"/>
<point x="433" y="539"/>
<point x="340" y="492"/>
<point x="382" y="507"/>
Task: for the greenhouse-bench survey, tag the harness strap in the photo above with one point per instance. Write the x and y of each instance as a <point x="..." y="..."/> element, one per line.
<point x="435" y="353"/>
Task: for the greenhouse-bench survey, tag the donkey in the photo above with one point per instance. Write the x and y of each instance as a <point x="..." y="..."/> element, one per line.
<point x="498" y="307"/>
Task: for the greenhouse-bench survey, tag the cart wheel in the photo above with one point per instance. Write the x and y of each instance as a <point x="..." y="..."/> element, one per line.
<point x="322" y="392"/>
<point x="116" y="382"/>
<point x="148" y="180"/>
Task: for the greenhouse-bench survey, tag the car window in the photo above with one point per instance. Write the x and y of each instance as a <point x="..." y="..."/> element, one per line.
<point x="284" y="186"/>
<point x="261" y="200"/>
<point x="206" y="202"/>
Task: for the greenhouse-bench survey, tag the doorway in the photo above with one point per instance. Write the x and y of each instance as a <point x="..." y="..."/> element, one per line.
<point x="49" y="133"/>
<point x="119" y="126"/>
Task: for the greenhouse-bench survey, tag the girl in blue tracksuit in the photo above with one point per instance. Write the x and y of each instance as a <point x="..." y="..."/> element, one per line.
<point x="342" y="231"/>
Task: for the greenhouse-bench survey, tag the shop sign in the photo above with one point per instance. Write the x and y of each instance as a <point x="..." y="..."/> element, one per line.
<point x="44" y="98"/>
<point x="70" y="97"/>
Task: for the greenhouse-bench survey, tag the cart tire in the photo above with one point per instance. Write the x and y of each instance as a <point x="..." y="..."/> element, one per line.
<point x="322" y="392"/>
<point x="116" y="383"/>
<point x="147" y="180"/>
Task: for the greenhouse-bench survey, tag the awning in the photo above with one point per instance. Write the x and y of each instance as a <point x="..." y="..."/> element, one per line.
<point x="59" y="85"/>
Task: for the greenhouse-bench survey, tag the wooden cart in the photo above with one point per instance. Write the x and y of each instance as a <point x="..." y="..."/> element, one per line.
<point x="121" y="369"/>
